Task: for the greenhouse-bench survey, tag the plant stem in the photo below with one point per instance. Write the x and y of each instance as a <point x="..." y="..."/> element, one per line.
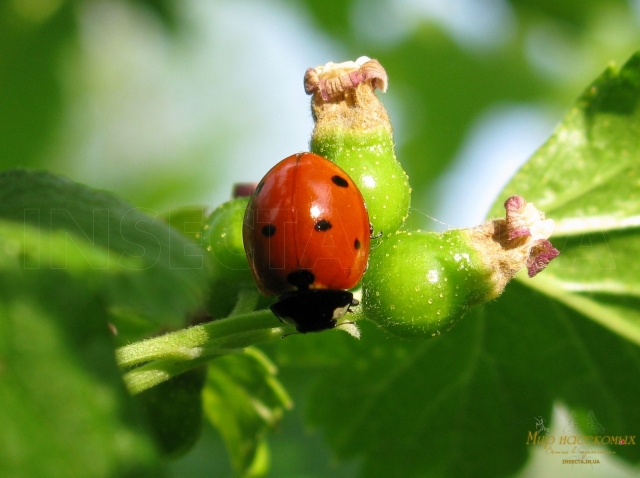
<point x="177" y="352"/>
<point x="247" y="301"/>
<point x="158" y="371"/>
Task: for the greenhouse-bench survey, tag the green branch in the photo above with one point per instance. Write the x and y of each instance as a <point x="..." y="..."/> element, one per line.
<point x="174" y="353"/>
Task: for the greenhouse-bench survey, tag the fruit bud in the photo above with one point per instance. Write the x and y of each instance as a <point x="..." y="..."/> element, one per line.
<point x="353" y="130"/>
<point x="222" y="238"/>
<point x="420" y="283"/>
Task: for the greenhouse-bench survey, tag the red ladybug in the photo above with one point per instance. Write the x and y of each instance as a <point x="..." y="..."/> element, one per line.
<point x="306" y="234"/>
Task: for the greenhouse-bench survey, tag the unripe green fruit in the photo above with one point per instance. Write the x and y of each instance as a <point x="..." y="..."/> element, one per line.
<point x="222" y="237"/>
<point x="419" y="284"/>
<point x="369" y="159"/>
<point x="353" y="130"/>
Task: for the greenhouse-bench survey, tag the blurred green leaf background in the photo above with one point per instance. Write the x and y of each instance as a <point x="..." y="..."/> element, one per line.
<point x="168" y="103"/>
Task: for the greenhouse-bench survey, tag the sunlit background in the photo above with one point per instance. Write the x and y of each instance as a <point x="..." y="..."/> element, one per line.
<point x="168" y="103"/>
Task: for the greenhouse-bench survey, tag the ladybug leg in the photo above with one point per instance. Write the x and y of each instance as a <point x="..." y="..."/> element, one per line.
<point x="290" y="333"/>
<point x="350" y="327"/>
<point x="354" y="302"/>
<point x="377" y="236"/>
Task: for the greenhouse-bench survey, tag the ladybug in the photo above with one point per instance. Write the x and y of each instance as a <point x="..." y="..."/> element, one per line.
<point x="306" y="234"/>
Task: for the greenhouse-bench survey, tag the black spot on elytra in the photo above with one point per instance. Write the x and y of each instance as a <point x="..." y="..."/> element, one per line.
<point x="268" y="230"/>
<point x="322" y="225"/>
<point x="339" y="181"/>
<point x="301" y="279"/>
<point x="356" y="244"/>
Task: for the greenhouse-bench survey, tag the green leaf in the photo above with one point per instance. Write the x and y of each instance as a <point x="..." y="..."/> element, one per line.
<point x="142" y="265"/>
<point x="461" y="405"/>
<point x="63" y="406"/>
<point x="243" y="399"/>
<point x="586" y="177"/>
<point x="174" y="408"/>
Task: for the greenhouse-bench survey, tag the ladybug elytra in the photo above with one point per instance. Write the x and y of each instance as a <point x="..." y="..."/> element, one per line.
<point x="306" y="234"/>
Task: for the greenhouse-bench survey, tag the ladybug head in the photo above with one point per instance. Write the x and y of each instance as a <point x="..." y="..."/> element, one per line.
<point x="313" y="310"/>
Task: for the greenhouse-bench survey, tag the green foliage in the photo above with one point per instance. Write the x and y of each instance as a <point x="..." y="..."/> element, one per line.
<point x="34" y="37"/>
<point x="147" y="268"/>
<point x="586" y="178"/>
<point x="463" y="406"/>
<point x="68" y="256"/>
<point x="30" y="93"/>
<point x="63" y="407"/>
<point x="243" y="400"/>
<point x="174" y="410"/>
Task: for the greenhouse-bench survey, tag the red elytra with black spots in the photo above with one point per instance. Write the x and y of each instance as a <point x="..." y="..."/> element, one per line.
<point x="306" y="235"/>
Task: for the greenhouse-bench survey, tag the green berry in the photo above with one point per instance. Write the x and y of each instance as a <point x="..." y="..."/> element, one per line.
<point x="222" y="237"/>
<point x="419" y="284"/>
<point x="369" y="159"/>
<point x="353" y="130"/>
